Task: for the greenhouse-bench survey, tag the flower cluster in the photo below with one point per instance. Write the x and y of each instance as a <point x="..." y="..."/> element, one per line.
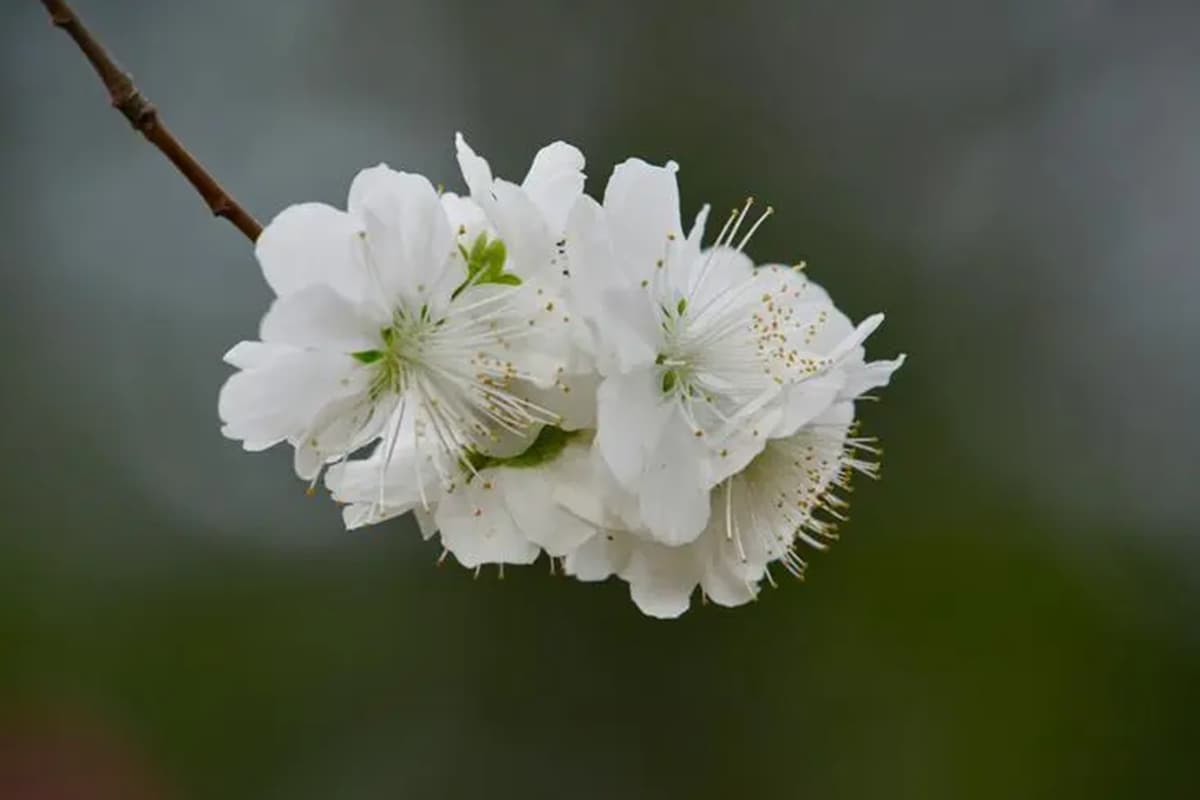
<point x="529" y="370"/>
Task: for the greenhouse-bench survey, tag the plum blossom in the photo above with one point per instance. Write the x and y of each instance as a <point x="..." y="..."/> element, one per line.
<point x="406" y="303"/>
<point x="787" y="498"/>
<point x="700" y="353"/>
<point x="529" y="371"/>
<point x="782" y="500"/>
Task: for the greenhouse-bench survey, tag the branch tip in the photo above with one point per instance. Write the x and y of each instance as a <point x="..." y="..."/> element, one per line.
<point x="143" y="116"/>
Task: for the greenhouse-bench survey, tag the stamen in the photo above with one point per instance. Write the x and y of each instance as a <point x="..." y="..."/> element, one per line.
<point x="770" y="578"/>
<point x="754" y="227"/>
<point x="740" y="218"/>
<point x="718" y="243"/>
<point x="729" y="508"/>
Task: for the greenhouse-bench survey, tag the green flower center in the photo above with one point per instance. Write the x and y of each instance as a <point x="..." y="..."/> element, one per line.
<point x="402" y="341"/>
<point x="401" y="347"/>
<point x="676" y="372"/>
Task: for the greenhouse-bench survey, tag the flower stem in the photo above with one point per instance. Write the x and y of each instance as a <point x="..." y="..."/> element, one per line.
<point x="143" y="116"/>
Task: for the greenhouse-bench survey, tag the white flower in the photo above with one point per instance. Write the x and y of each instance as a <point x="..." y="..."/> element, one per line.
<point x="698" y="351"/>
<point x="387" y="310"/>
<point x="759" y="513"/>
<point x="531" y="218"/>
<point x="527" y="370"/>
<point x="786" y="496"/>
<point x="493" y="505"/>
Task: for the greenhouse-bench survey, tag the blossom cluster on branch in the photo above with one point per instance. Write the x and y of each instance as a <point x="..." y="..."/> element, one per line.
<point x="527" y="369"/>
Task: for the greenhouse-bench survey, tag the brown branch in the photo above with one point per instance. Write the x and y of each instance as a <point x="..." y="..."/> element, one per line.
<point x="142" y="114"/>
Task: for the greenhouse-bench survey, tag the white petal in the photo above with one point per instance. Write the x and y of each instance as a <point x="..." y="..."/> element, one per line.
<point x="838" y="415"/>
<point x="530" y="500"/>
<point x="731" y="450"/>
<point x="631" y="413"/>
<point x="506" y="444"/>
<point x="475" y="171"/>
<point x="425" y="522"/>
<point x="864" y="329"/>
<point x="594" y="268"/>
<point x="370" y="181"/>
<point x="725" y="587"/>
<point x="466" y="218"/>
<point x="808" y="303"/>
<point x="408" y="480"/>
<point x="605" y="554"/>
<point x="630" y="327"/>
<point x="529" y="242"/>
<point x="342" y="426"/>
<point x="555" y="182"/>
<point x="585" y="486"/>
<point x="683" y="262"/>
<point x="573" y="399"/>
<point x="642" y="205"/>
<point x="662" y="599"/>
<point x="307" y="462"/>
<point x="661" y="579"/>
<point x="861" y="378"/>
<point x="549" y="345"/>
<point x="360" y="515"/>
<point x="695" y="236"/>
<point x="477" y="528"/>
<point x="409" y="239"/>
<point x="319" y="317"/>
<point x="309" y="244"/>
<point x="719" y="271"/>
<point x="805" y="289"/>
<point x="732" y="571"/>
<point x="248" y="355"/>
<point x="804" y="401"/>
<point x="279" y="400"/>
<point x="673" y="499"/>
<point x="594" y="265"/>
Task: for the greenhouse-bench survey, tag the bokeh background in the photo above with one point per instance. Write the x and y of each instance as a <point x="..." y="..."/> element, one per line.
<point x="1012" y="612"/>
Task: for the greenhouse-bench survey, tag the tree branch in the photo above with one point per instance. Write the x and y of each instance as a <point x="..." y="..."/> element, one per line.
<point x="143" y="116"/>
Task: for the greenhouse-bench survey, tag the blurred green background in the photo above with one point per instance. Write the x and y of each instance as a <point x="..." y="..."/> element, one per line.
<point x="1010" y="614"/>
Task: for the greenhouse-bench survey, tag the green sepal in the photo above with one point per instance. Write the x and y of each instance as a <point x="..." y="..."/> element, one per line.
<point x="546" y="446"/>
<point x="485" y="263"/>
<point x="368" y="356"/>
<point x="549" y="443"/>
